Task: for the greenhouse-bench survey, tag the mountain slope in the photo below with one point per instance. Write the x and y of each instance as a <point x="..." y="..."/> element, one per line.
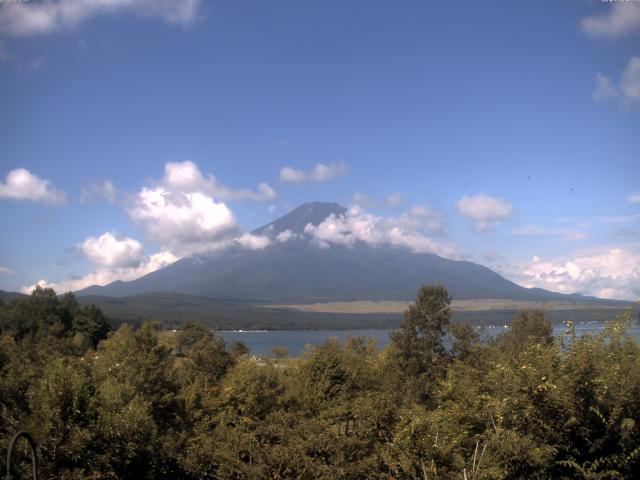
<point x="297" y="272"/>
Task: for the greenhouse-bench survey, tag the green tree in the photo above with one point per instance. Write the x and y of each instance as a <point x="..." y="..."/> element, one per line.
<point x="139" y="404"/>
<point x="63" y="411"/>
<point x="418" y="345"/>
<point x="322" y="377"/>
<point x="44" y="315"/>
<point x="203" y="362"/>
<point x="464" y="341"/>
<point x="528" y="327"/>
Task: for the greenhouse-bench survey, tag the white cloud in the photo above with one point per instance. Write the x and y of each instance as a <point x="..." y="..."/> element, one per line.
<point x="484" y="210"/>
<point x="31" y="18"/>
<point x="187" y="178"/>
<point x="628" y="89"/>
<point x="534" y="230"/>
<point x="183" y="213"/>
<point x="21" y="184"/>
<point x="111" y="251"/>
<point x="184" y="222"/>
<point x="6" y="271"/>
<point x="633" y="197"/>
<point x="104" y="276"/>
<point x="287" y="235"/>
<point x="621" y="18"/>
<point x="606" y="272"/>
<point x="358" y="226"/>
<point x="320" y="173"/>
<point x="253" y="242"/>
<point x="106" y="190"/>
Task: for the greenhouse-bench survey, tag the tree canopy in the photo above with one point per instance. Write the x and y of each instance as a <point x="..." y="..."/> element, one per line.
<point x="156" y="404"/>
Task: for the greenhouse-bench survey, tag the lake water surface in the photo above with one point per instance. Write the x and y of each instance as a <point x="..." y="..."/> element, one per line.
<point x="263" y="342"/>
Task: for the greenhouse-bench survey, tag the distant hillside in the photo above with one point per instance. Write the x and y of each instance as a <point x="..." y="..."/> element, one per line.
<point x="174" y="309"/>
<point x="7" y="296"/>
<point x="298" y="272"/>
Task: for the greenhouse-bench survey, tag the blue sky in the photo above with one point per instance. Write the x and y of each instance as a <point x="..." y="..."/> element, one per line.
<point x="506" y="133"/>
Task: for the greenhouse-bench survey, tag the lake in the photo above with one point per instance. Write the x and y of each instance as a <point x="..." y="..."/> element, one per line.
<point x="263" y="342"/>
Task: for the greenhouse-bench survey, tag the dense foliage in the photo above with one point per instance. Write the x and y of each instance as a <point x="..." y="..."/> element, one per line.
<point x="151" y="403"/>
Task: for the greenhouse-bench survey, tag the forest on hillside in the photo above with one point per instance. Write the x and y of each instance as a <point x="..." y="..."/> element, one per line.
<point x="149" y="403"/>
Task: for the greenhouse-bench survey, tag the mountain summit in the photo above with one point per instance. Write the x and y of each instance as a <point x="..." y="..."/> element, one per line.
<point x="295" y="221"/>
<point x="297" y="271"/>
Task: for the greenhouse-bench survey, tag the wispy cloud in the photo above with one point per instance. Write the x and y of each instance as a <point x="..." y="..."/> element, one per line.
<point x="604" y="89"/>
<point x="93" y="191"/>
<point x="619" y="218"/>
<point x="363" y="200"/>
<point x="6" y="271"/>
<point x="621" y="18"/>
<point x="492" y="257"/>
<point x="21" y="184"/>
<point x="568" y="235"/>
<point x="634" y="197"/>
<point x="484" y="210"/>
<point x="187" y="178"/>
<point x="628" y="88"/>
<point x="319" y="173"/>
<point x="394" y="200"/>
<point x="22" y="19"/>
<point x="624" y="232"/>
<point x="22" y="64"/>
